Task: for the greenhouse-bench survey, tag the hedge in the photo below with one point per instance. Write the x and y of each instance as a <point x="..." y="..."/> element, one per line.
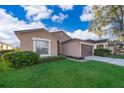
<point x="20" y="59"/>
<point x="5" y="51"/>
<point x="102" y="52"/>
<point x="51" y="59"/>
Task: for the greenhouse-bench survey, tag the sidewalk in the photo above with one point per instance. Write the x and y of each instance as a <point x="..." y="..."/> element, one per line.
<point x="107" y="60"/>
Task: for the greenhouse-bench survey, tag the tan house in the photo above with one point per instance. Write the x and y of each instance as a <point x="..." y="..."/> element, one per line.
<point x="81" y="48"/>
<point x="62" y="36"/>
<point x="53" y="43"/>
<point x="4" y="46"/>
<point x="38" y="40"/>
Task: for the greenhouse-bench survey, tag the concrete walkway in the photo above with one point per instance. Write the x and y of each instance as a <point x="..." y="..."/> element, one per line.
<point x="107" y="60"/>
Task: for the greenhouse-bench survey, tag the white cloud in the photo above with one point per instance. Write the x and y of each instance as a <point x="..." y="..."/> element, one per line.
<point x="37" y="12"/>
<point x="9" y="24"/>
<point x="53" y="29"/>
<point x="78" y="33"/>
<point x="66" y="7"/>
<point x="59" y="18"/>
<point x="87" y="14"/>
<point x="83" y="34"/>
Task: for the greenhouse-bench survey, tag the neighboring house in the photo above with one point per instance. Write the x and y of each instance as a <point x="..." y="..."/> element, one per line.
<point x="118" y="47"/>
<point x="4" y="46"/>
<point x="104" y="43"/>
<point x="99" y="43"/>
<point x="53" y="43"/>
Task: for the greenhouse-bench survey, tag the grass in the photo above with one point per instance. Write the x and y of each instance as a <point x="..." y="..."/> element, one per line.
<point x="64" y="74"/>
<point x="116" y="56"/>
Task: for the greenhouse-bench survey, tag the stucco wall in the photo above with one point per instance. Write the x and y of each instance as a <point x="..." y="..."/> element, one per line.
<point x="71" y="48"/>
<point x="26" y="40"/>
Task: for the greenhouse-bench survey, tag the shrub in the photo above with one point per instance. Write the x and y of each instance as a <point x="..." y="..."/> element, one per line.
<point x="5" y="66"/>
<point x="21" y="58"/>
<point x="5" y="51"/>
<point x="51" y="59"/>
<point x="102" y="52"/>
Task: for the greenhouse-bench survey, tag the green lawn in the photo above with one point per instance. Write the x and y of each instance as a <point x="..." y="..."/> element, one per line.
<point x="65" y="73"/>
<point x="116" y="56"/>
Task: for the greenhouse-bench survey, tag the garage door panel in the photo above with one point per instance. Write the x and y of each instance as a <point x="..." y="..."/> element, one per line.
<point x="86" y="50"/>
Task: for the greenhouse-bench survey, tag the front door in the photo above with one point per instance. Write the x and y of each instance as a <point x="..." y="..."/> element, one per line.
<point x="58" y="47"/>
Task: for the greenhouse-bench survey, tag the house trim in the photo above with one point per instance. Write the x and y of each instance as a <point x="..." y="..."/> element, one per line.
<point x="87" y="43"/>
<point x="104" y="44"/>
<point x="34" y="30"/>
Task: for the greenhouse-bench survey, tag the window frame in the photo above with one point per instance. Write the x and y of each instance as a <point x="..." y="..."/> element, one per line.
<point x="42" y="39"/>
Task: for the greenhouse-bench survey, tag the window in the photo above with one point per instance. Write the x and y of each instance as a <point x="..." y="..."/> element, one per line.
<point x="100" y="46"/>
<point x="1" y="47"/>
<point x="42" y="46"/>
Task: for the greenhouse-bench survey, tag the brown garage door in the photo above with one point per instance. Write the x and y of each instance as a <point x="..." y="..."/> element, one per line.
<point x="86" y="50"/>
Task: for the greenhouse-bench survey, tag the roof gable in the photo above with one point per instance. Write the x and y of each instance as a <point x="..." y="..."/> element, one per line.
<point x="97" y="41"/>
<point x="34" y="30"/>
<point x="61" y="35"/>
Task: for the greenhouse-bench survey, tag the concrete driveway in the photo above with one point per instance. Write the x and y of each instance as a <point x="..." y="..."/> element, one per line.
<point x="107" y="60"/>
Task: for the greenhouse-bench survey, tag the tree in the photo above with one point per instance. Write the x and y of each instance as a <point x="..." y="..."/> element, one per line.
<point x="108" y="20"/>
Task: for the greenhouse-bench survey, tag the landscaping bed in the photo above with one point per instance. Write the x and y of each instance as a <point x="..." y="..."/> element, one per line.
<point x="107" y="53"/>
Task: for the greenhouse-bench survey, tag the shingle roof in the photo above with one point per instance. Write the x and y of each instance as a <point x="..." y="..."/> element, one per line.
<point x="57" y="31"/>
<point x="97" y="41"/>
<point x="88" y="41"/>
<point x="60" y="32"/>
<point x="77" y="40"/>
<point x="32" y="30"/>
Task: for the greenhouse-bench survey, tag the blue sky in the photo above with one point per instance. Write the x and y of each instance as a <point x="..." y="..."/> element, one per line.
<point x="74" y="20"/>
<point x="71" y="23"/>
